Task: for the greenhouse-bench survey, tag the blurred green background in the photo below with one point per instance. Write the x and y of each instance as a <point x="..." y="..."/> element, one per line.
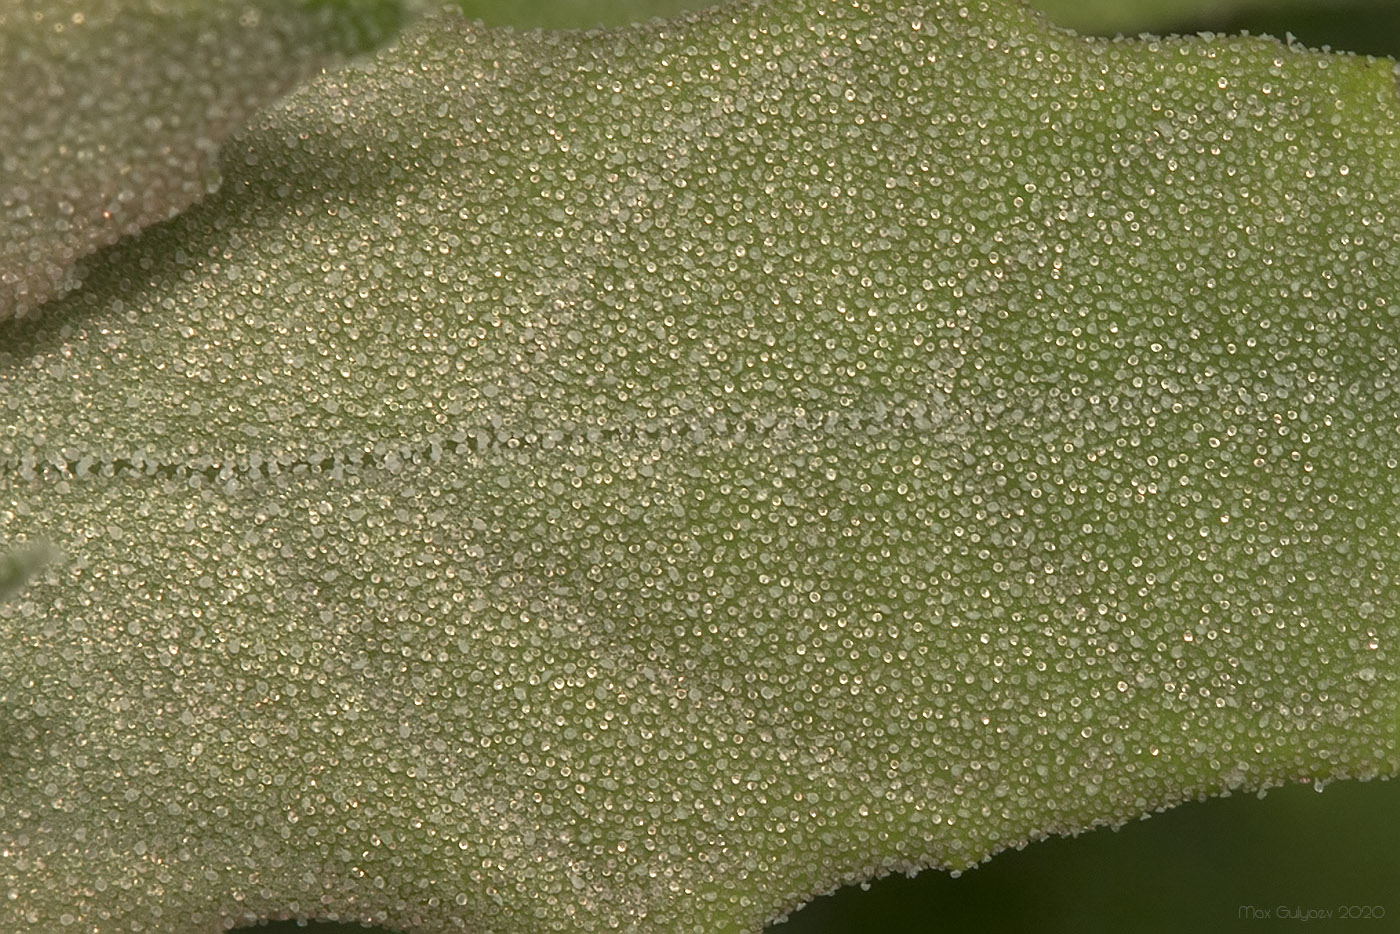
<point x="1369" y="26"/>
<point x="1242" y="863"/>
<point x="1199" y="868"/>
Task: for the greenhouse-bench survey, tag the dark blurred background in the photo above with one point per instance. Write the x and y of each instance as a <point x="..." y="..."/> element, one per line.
<point x="1204" y="867"/>
<point x="1230" y="864"/>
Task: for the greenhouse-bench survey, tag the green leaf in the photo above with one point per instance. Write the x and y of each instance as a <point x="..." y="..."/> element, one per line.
<point x="111" y="113"/>
<point x="643" y="479"/>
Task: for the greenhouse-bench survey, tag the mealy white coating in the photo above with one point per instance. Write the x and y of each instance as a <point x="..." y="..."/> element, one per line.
<point x="637" y="481"/>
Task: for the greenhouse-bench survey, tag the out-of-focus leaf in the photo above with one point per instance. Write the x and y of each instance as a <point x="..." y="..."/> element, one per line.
<point x="111" y="112"/>
<point x="565" y="14"/>
<point x="1106" y="17"/>
<point x="1130" y="17"/>
<point x="640" y="480"/>
<point x="1364" y="26"/>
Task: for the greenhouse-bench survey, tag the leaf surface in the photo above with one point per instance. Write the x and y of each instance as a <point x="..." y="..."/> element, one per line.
<point x="111" y="112"/>
<point x="644" y="479"/>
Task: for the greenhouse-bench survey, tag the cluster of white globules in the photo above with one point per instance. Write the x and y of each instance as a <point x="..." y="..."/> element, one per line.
<point x="639" y="480"/>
